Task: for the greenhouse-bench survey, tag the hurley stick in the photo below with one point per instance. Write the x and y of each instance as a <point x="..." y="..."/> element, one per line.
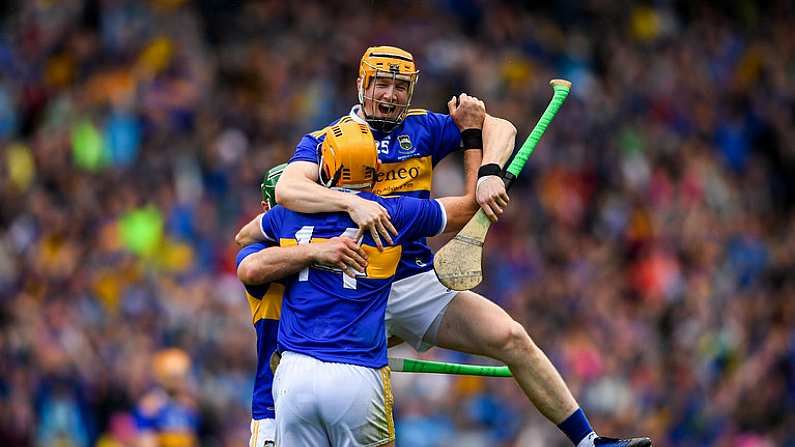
<point x="459" y="263"/>
<point x="397" y="364"/>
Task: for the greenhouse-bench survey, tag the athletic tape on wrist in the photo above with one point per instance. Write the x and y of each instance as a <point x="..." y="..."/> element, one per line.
<point x="472" y="138"/>
<point x="481" y="180"/>
<point x="489" y="169"/>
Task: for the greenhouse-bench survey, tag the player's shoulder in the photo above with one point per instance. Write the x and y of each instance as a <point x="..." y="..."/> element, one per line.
<point x="393" y="202"/>
<point x="424" y="117"/>
<point x="417" y="112"/>
<point x="317" y="134"/>
<point x="372" y="196"/>
<point x="384" y="201"/>
<point x="278" y="212"/>
<point x="416" y="116"/>
<point x="293" y="221"/>
<point x="276" y="221"/>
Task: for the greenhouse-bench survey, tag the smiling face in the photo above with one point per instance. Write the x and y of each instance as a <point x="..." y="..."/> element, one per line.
<point x="387" y="76"/>
<point x="386" y="98"/>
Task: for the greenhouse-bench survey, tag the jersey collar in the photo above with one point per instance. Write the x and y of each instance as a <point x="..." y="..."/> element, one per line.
<point x="355" y="115"/>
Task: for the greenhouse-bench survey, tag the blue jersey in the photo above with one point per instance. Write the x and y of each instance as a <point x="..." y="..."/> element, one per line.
<point x="265" y="302"/>
<point x="174" y="422"/>
<point x="329" y="315"/>
<point x="408" y="154"/>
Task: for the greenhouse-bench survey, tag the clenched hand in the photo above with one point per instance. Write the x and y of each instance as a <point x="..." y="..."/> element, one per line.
<point x="341" y="252"/>
<point x="491" y="196"/>
<point x="469" y="113"/>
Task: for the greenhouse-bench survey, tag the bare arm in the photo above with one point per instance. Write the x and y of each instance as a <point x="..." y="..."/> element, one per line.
<point x="274" y="263"/>
<point x="458" y="212"/>
<point x="299" y="191"/>
<point x="250" y="233"/>
<point x="460" y="209"/>
<point x="468" y="112"/>
<point x="498" y="142"/>
<point x="499" y="139"/>
<point x="472" y="160"/>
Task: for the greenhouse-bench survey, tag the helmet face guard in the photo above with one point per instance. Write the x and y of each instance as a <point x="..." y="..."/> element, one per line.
<point x="329" y="170"/>
<point x="268" y="185"/>
<point x="395" y="65"/>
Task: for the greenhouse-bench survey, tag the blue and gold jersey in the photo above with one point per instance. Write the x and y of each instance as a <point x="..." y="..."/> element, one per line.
<point x="174" y="422"/>
<point x="331" y="316"/>
<point x="265" y="302"/>
<point x="408" y="154"/>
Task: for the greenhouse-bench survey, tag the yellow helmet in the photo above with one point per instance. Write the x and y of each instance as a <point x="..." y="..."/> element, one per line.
<point x="392" y="63"/>
<point x="348" y="156"/>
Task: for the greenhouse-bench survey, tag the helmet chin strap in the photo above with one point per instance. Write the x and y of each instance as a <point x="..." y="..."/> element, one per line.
<point x="380" y="124"/>
<point x="385" y="125"/>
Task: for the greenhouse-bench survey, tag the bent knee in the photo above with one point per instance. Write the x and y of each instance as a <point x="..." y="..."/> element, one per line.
<point x="512" y="340"/>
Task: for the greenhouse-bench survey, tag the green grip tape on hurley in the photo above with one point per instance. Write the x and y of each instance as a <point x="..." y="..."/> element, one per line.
<point x="428" y="366"/>
<point x="561" y="90"/>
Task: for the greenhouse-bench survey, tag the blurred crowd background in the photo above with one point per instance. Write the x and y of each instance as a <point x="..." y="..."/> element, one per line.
<point x="649" y="247"/>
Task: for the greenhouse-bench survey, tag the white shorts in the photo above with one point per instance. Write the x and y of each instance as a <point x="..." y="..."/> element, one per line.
<point x="331" y="404"/>
<point x="262" y="431"/>
<point x="414" y="303"/>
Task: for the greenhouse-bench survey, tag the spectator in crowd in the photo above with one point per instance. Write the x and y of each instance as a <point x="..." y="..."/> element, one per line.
<point x="166" y="414"/>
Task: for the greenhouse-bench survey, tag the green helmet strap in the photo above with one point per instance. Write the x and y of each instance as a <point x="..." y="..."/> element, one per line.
<point x="268" y="185"/>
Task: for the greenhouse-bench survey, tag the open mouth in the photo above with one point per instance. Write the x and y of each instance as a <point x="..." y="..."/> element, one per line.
<point x="386" y="109"/>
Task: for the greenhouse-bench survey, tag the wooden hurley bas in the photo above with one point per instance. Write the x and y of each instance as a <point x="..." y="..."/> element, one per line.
<point x="459" y="263"/>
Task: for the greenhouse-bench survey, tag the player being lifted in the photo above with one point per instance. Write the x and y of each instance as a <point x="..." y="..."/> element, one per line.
<point x="421" y="311"/>
<point x="332" y="386"/>
<point x="261" y="267"/>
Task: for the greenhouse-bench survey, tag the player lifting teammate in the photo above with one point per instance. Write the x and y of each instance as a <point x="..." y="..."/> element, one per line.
<point x="332" y="384"/>
<point x="421" y="311"/>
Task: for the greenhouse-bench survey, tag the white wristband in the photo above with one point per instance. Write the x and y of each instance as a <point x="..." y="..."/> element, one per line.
<point x="482" y="179"/>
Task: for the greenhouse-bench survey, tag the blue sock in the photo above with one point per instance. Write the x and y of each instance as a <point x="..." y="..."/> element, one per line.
<point x="576" y="426"/>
